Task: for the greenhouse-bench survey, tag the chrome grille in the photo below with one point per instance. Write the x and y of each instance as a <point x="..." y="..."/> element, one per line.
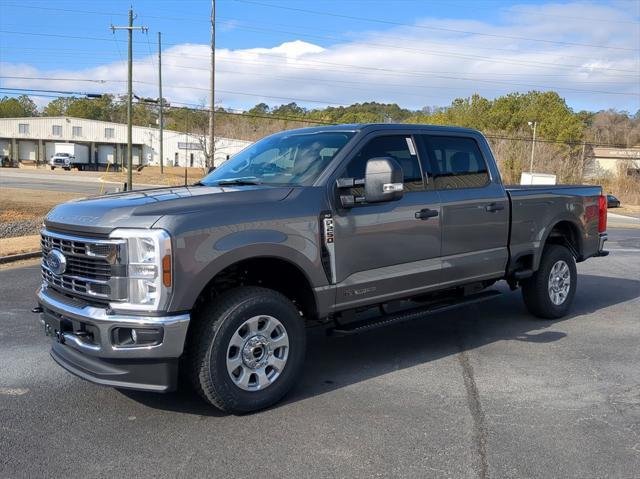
<point x="89" y="265"/>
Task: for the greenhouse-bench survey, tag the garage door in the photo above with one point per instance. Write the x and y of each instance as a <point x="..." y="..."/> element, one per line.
<point x="5" y="147"/>
<point x="27" y="150"/>
<point x="106" y="154"/>
<point x="49" y="150"/>
<point x="137" y="155"/>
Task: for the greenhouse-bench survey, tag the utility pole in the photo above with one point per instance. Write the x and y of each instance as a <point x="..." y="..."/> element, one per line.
<point x="161" y="100"/>
<point x="212" y="103"/>
<point x="533" y="144"/>
<point x="130" y="28"/>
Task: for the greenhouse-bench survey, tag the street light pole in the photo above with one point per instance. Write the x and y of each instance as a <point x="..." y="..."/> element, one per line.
<point x="533" y="145"/>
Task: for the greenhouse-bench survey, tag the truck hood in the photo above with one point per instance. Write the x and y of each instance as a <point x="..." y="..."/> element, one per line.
<point x="141" y="209"/>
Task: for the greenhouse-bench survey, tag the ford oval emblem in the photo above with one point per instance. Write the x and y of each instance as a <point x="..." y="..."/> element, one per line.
<point x="56" y="262"/>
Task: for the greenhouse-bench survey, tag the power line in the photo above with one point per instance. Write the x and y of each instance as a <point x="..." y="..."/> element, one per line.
<point x="196" y="19"/>
<point x="451" y="30"/>
<point x="193" y="87"/>
<point x="193" y="107"/>
<point x="93" y="54"/>
<point x="533" y="64"/>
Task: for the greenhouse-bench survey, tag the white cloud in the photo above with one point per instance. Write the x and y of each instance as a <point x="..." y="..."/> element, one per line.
<point x="427" y="64"/>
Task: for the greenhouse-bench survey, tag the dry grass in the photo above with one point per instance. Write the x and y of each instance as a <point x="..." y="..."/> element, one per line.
<point x="150" y="175"/>
<point x="23" y="204"/>
<point x="21" y="244"/>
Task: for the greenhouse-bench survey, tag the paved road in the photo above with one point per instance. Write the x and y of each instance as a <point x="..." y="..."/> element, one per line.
<point x="86" y="182"/>
<point x="484" y="391"/>
<point x="86" y="185"/>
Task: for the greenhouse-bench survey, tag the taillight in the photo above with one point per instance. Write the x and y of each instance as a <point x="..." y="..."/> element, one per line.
<point x="602" y="214"/>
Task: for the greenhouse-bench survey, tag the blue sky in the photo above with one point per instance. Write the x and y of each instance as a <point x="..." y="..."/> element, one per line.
<point x="413" y="52"/>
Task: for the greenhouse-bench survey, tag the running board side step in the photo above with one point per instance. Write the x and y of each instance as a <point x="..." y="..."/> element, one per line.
<point x="411" y="314"/>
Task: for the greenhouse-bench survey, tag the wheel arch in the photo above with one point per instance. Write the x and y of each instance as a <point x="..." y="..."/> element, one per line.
<point x="565" y="232"/>
<point x="271" y="271"/>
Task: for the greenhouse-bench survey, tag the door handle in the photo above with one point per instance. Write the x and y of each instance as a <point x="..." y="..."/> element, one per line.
<point x="426" y="213"/>
<point x="493" y="207"/>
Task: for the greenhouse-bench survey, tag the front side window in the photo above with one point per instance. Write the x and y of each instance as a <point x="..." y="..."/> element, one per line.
<point x="108" y="133"/>
<point x="287" y="158"/>
<point x="56" y="130"/>
<point x="77" y="131"/>
<point x="454" y="162"/>
<point x="398" y="147"/>
<point x="23" y="128"/>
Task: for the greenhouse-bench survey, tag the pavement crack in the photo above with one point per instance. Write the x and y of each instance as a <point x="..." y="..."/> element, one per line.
<point x="475" y="408"/>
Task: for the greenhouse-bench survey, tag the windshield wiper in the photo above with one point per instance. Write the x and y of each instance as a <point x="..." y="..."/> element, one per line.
<point x="238" y="182"/>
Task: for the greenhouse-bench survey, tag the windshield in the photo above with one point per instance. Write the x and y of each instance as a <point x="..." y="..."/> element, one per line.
<point x="290" y="159"/>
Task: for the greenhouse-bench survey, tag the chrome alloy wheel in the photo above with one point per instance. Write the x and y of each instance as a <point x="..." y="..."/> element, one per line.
<point x="257" y="353"/>
<point x="559" y="282"/>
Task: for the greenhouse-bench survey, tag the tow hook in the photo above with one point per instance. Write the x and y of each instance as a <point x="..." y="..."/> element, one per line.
<point x="37" y="309"/>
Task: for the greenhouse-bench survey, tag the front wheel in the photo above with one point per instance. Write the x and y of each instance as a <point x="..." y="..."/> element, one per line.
<point x="549" y="292"/>
<point x="246" y="349"/>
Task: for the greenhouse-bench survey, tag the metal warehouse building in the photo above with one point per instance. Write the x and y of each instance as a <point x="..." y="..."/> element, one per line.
<point x="33" y="139"/>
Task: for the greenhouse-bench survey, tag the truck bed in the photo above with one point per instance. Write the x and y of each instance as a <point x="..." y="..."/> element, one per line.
<point x="537" y="209"/>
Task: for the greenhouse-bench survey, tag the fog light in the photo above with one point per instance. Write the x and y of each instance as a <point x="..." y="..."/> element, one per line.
<point x="131" y="337"/>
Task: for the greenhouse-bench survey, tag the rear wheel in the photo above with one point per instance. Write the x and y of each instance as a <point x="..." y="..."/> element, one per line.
<point x="549" y="292"/>
<point x="53" y="167"/>
<point x="246" y="349"/>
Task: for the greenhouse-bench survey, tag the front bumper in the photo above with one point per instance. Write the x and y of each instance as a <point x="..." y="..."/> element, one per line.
<point x="86" y="344"/>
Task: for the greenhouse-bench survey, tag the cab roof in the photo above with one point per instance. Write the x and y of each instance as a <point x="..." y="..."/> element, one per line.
<point x="364" y="127"/>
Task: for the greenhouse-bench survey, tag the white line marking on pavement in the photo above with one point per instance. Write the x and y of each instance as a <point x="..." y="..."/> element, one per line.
<point x="13" y="391"/>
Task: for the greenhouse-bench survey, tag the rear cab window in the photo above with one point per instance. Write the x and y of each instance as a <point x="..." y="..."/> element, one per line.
<point x="453" y="162"/>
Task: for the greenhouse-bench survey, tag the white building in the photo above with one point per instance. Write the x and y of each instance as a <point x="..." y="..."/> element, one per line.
<point x="33" y="139"/>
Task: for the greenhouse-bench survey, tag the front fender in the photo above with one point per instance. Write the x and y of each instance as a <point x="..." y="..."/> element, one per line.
<point x="195" y="267"/>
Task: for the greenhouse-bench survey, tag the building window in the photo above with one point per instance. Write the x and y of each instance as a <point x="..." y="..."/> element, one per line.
<point x="77" y="131"/>
<point x="23" y="128"/>
<point x="56" y="130"/>
<point x="109" y="133"/>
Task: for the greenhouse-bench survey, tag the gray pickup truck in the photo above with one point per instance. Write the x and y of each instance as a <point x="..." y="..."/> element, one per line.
<point x="350" y="226"/>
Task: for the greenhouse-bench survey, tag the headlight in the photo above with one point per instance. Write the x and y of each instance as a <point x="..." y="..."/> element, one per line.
<point x="149" y="264"/>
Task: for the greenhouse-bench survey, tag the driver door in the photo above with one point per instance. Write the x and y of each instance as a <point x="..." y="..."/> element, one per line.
<point x="385" y="250"/>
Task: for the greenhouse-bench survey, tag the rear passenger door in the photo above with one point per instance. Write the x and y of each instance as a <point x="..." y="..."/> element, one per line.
<point x="474" y="208"/>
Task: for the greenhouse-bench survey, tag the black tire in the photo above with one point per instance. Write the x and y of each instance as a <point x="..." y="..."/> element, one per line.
<point x="535" y="290"/>
<point x="53" y="167"/>
<point x="209" y="339"/>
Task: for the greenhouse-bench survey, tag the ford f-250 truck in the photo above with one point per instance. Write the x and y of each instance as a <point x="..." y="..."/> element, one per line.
<point x="319" y="225"/>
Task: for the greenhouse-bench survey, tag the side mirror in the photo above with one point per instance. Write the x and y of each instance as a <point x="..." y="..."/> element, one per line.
<point x="383" y="180"/>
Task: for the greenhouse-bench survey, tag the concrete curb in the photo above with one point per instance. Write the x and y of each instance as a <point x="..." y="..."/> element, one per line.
<point x="17" y="257"/>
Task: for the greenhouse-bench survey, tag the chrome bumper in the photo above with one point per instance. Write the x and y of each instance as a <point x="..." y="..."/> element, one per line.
<point x="174" y="329"/>
<point x="601" y="252"/>
<point x="603" y="238"/>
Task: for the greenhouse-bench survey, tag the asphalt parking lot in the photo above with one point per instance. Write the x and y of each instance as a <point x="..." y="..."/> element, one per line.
<point x="483" y="391"/>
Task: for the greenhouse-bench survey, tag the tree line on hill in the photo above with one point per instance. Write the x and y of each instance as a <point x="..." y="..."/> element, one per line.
<point x="560" y="130"/>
